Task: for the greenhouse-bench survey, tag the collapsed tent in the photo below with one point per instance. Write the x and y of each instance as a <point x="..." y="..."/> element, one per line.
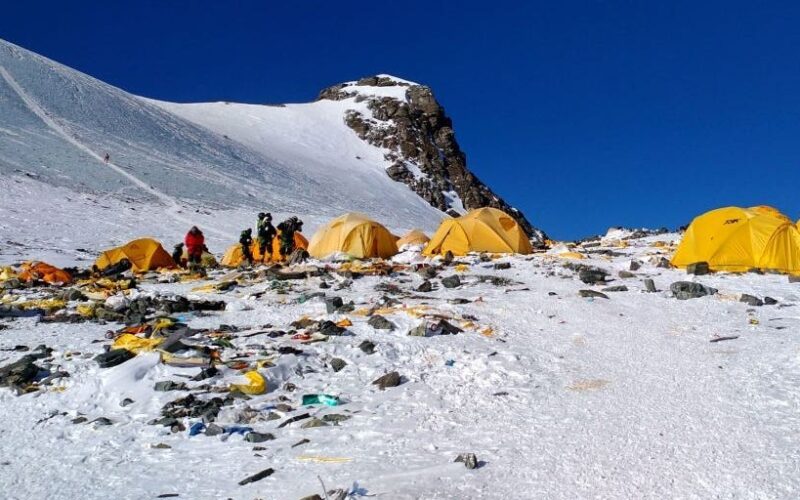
<point x="355" y="235"/>
<point x="413" y="237"/>
<point x="144" y="254"/>
<point x="33" y="271"/>
<point x="481" y="230"/>
<point x="234" y="257"/>
<point x="738" y="239"/>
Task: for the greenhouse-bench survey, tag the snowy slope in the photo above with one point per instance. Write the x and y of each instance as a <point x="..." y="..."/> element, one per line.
<point x="565" y="398"/>
<point x="57" y="124"/>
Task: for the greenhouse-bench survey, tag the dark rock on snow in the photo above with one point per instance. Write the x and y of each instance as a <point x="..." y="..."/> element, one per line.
<point x="685" y="290"/>
<point x="391" y="379"/>
<point x="592" y="294"/>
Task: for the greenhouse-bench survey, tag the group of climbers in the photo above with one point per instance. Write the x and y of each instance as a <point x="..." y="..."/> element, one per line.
<point x="266" y="234"/>
<point x="190" y="252"/>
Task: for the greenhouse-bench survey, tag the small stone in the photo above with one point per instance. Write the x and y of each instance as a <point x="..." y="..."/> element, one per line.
<point x="126" y="402"/>
<point x="650" y="285"/>
<point x="592" y="294"/>
<point x="617" y="288"/>
<point x="333" y="303"/>
<point x="451" y="281"/>
<point x="214" y="430"/>
<point x="335" y="418"/>
<point x="273" y="416"/>
<point x="79" y="420"/>
<point x="378" y="322"/>
<point x="391" y="379"/>
<point x="160" y="446"/>
<point x="258" y="437"/>
<point x="285" y="408"/>
<point x="684" y="290"/>
<point x="469" y="460"/>
<point x="102" y="421"/>
<point x="698" y="268"/>
<point x="420" y="330"/>
<point x="425" y="287"/>
<point x="751" y="300"/>
<point x="367" y="347"/>
<point x="312" y="423"/>
<point x="626" y="274"/>
<point x="324" y="285"/>
<point x="502" y="265"/>
<point x="301" y="442"/>
<point x="177" y="427"/>
<point x="635" y="265"/>
<point x="794" y="278"/>
<point x="769" y="301"/>
<point x="337" y="364"/>
<point x="169" y="385"/>
<point x="592" y="276"/>
<point x="664" y="263"/>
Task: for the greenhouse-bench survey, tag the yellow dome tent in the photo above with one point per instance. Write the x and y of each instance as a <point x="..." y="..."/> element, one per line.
<point x="737" y="239"/>
<point x="481" y="230"/>
<point x="145" y="254"/>
<point x="413" y="237"/>
<point x="355" y="235"/>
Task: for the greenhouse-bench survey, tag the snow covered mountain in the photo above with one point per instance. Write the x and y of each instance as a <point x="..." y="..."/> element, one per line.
<point x="211" y="164"/>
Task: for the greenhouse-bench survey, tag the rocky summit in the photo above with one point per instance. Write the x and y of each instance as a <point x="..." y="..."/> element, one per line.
<point x="421" y="144"/>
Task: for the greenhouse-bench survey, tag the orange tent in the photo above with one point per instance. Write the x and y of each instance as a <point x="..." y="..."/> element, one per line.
<point x="32" y="271"/>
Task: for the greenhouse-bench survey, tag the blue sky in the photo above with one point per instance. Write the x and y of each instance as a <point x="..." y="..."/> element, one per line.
<point x="583" y="114"/>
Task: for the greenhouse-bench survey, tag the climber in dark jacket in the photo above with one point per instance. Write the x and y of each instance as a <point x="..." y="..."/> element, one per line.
<point x="177" y="254"/>
<point x="266" y="233"/>
<point x="246" y="240"/>
<point x="287" y="229"/>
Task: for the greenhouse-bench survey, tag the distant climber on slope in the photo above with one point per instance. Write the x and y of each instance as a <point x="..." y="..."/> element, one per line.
<point x="266" y="232"/>
<point x="107" y="158"/>
<point x="177" y="254"/>
<point x="195" y="241"/>
<point x="246" y="240"/>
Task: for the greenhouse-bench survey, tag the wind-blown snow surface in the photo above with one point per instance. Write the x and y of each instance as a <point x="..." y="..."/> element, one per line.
<point x="569" y="398"/>
<point x="57" y="124"/>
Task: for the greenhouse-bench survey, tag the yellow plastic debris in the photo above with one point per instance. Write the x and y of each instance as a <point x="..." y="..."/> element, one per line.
<point x="571" y="255"/>
<point x="7" y="273"/>
<point x="255" y="384"/>
<point x="136" y="344"/>
<point x="46" y="304"/>
<point x="462" y="268"/>
<point x="86" y="310"/>
<point x="487" y="332"/>
<point x="344" y="323"/>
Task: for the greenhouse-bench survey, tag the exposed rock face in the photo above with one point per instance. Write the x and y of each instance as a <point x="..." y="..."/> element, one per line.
<point x="421" y="144"/>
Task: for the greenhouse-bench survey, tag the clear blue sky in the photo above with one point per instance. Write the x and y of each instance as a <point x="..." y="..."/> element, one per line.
<point x="582" y="114"/>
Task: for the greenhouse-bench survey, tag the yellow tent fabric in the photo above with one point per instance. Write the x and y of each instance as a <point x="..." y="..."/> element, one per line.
<point x="737" y="239"/>
<point x="145" y="254"/>
<point x="413" y="237"/>
<point x="481" y="230"/>
<point x="355" y="235"/>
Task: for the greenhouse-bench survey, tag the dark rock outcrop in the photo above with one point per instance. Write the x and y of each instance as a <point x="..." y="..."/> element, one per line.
<point x="422" y="147"/>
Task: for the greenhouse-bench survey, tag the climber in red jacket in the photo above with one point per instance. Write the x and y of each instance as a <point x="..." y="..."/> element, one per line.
<point x="195" y="241"/>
